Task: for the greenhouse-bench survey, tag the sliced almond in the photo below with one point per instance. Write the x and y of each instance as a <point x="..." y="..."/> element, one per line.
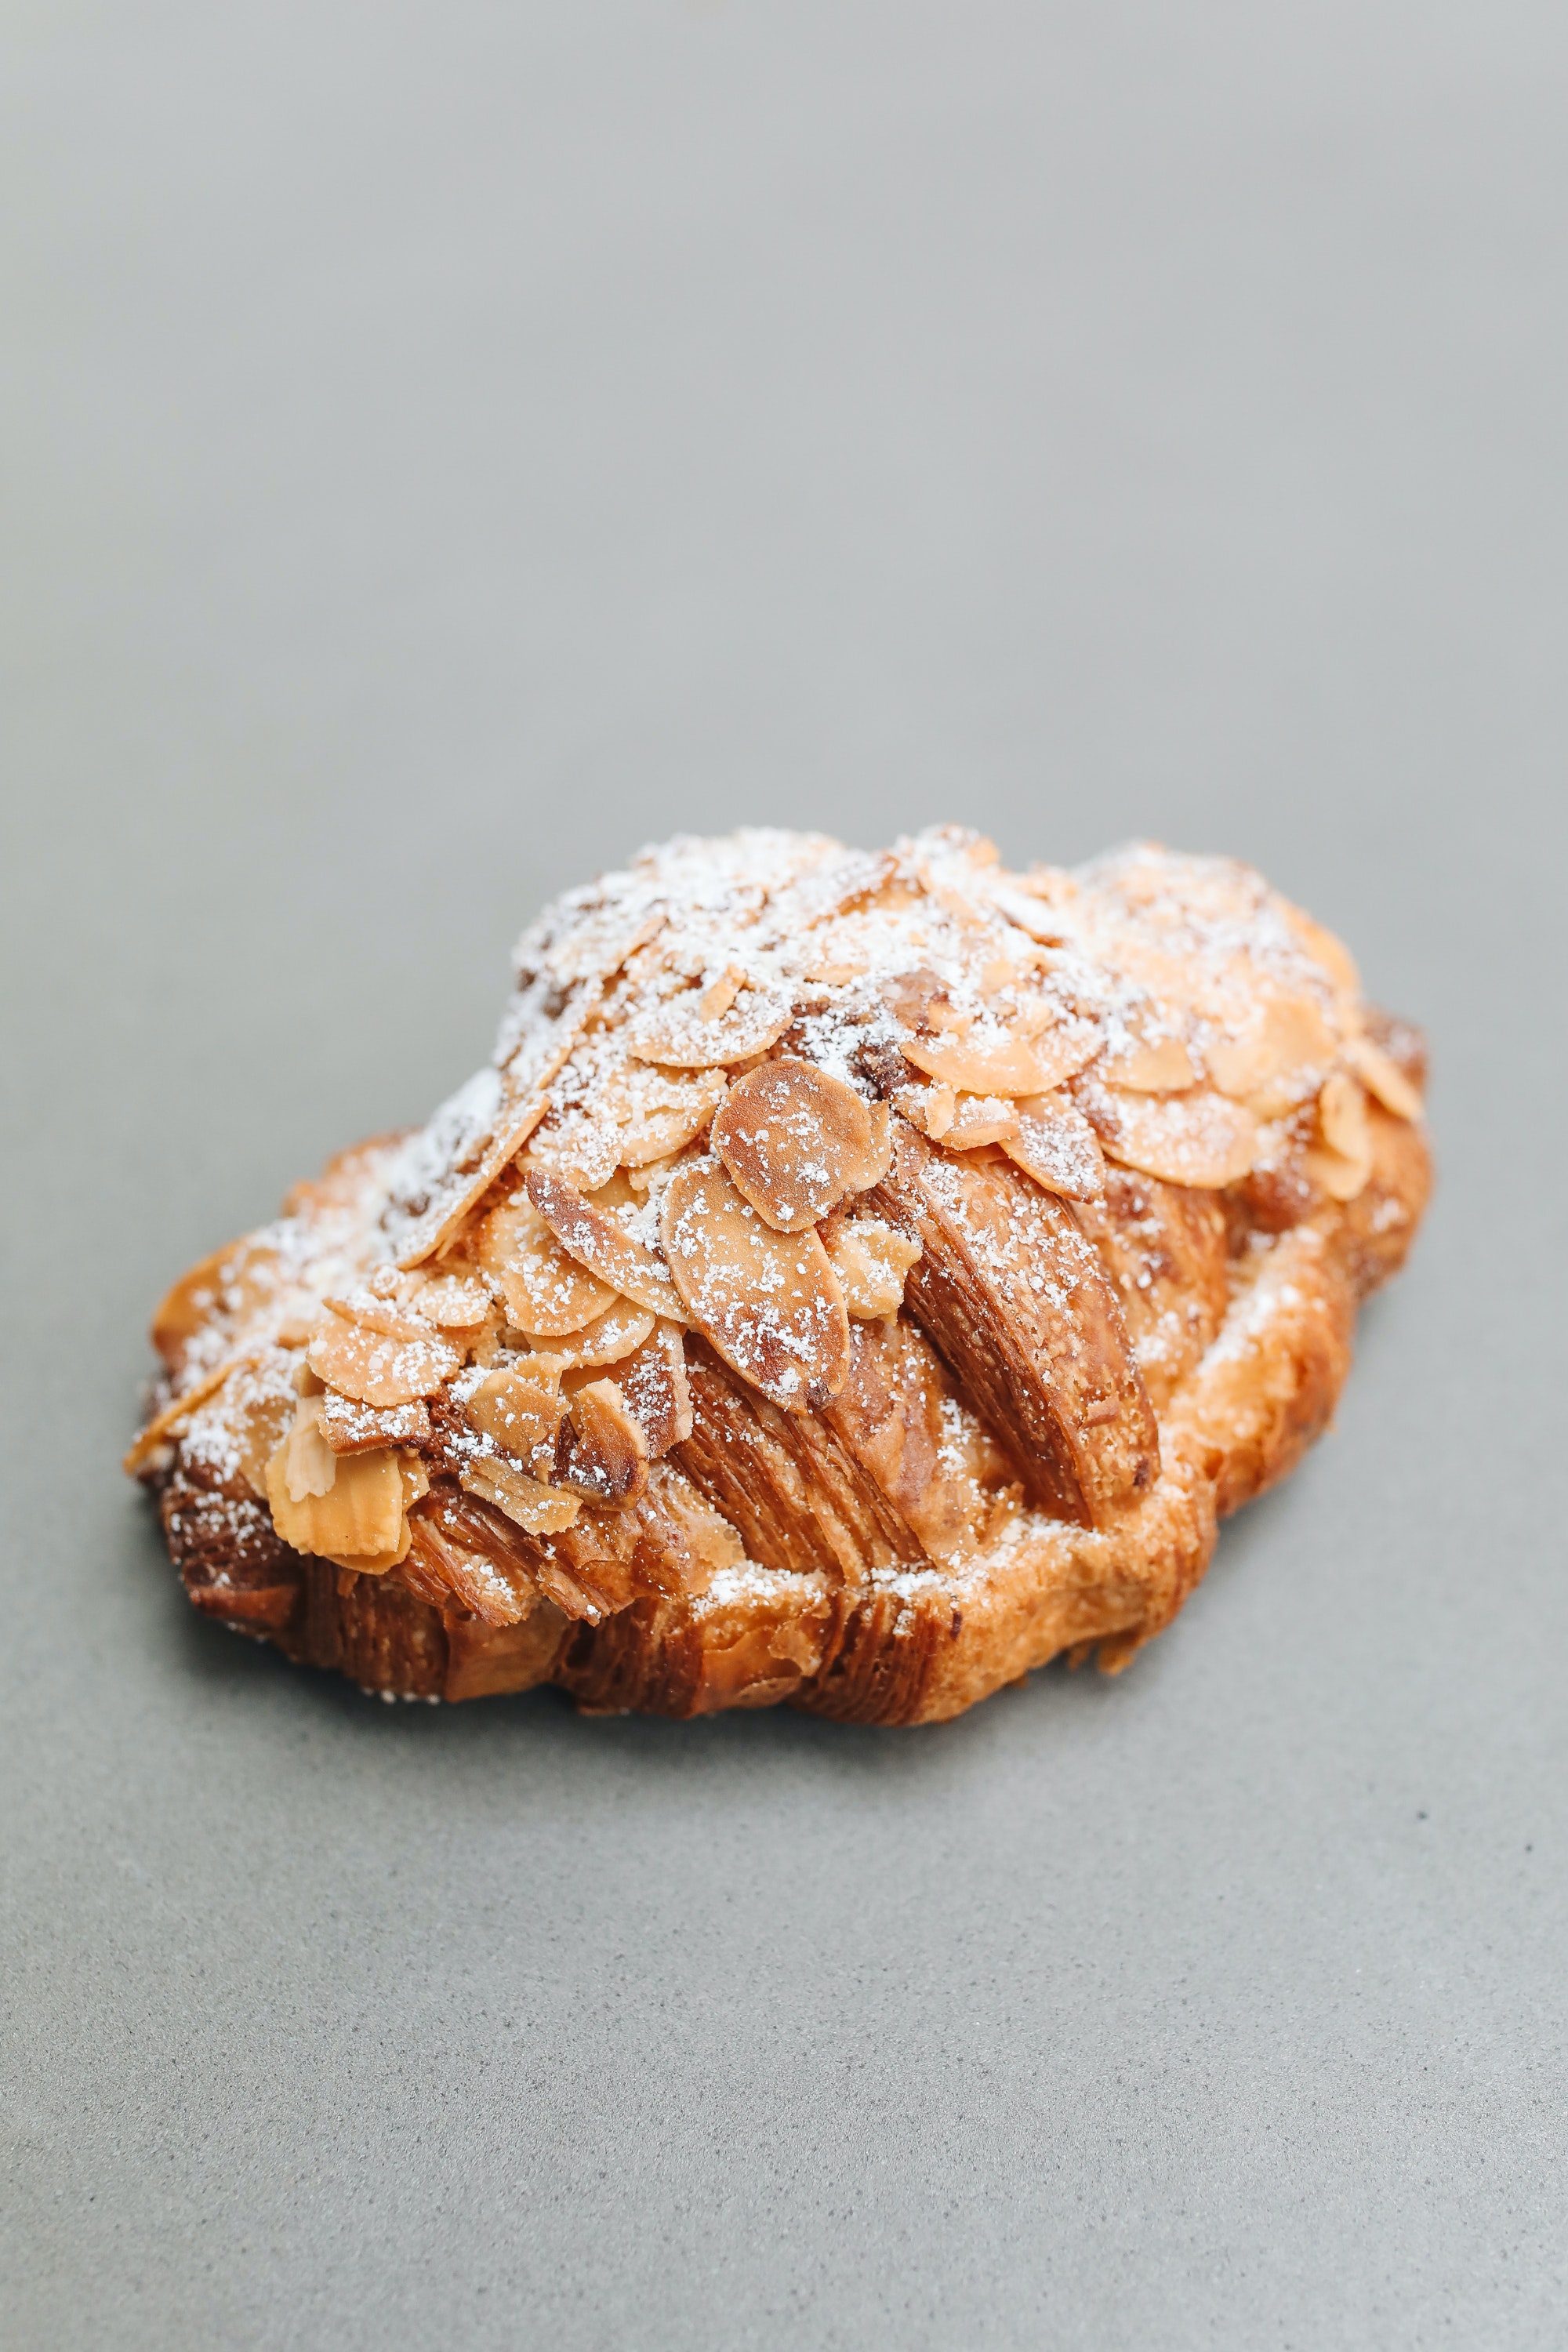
<point x="309" y="1466"/>
<point x="653" y="1384"/>
<point x="1055" y="1145"/>
<point x="350" y="1428"/>
<point x="590" y="1237"/>
<point x="360" y="1513"/>
<point x="677" y="1032"/>
<point x="1384" y="1078"/>
<point x="1062" y="1050"/>
<point x="1278" y="1059"/>
<point x="611" y="1337"/>
<point x="980" y="1119"/>
<point x="720" y="994"/>
<point x="660" y="1111"/>
<point x="770" y="1302"/>
<point x="227" y="1287"/>
<point x="797" y="1141"/>
<point x="608" y="1459"/>
<point x="545" y="1290"/>
<point x="541" y="1510"/>
<point x="931" y="1108"/>
<point x="1341" y="1113"/>
<point x="1161" y="1065"/>
<point x="992" y="1060"/>
<point x="373" y="1369"/>
<point x="871" y="1260"/>
<point x="164" y="1423"/>
<point x="519" y="1410"/>
<point x="373" y="1313"/>
<point x="1340" y="1177"/>
<point x="454" y="1302"/>
<point x="1199" y="1138"/>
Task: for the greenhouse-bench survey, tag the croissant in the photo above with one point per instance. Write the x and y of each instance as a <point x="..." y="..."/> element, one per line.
<point x="855" y="1280"/>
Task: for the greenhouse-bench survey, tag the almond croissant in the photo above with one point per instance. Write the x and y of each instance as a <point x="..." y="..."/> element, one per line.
<point x="855" y="1279"/>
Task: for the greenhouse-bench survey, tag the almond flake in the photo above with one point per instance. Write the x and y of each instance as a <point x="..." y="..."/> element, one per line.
<point x="1199" y="1138"/>
<point x="350" y="1428"/>
<point x="1159" y="1066"/>
<point x="871" y="1260"/>
<point x="165" y="1421"/>
<point x="657" y="1112"/>
<point x="980" y="1119"/>
<point x="797" y="1141"/>
<point x="1384" y="1077"/>
<point x="653" y="1382"/>
<point x="769" y="1302"/>
<point x="541" y="1510"/>
<point x="1277" y="1058"/>
<point x="519" y="1409"/>
<point x="1340" y="1177"/>
<point x="593" y="1238"/>
<point x="618" y="1332"/>
<point x="375" y="1369"/>
<point x="1341" y="1112"/>
<point x="546" y="1292"/>
<point x="677" y="1033"/>
<point x="1055" y="1145"/>
<point x="717" y="999"/>
<point x="360" y="1514"/>
<point x="608" y="1459"/>
<point x="454" y="1302"/>
<point x="931" y="1108"/>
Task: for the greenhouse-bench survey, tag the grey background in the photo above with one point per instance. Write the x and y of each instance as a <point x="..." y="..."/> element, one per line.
<point x="442" y="447"/>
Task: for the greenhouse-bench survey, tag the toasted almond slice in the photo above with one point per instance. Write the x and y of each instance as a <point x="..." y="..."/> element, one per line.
<point x="607" y="1461"/>
<point x="350" y="1428"/>
<point x="163" y="1424"/>
<point x="592" y="1237"/>
<point x="231" y="1283"/>
<point x="1064" y="1050"/>
<point x="373" y="1314"/>
<point x="1159" y="1067"/>
<point x="661" y="1111"/>
<point x="541" y="1510"/>
<point x="308" y="1464"/>
<point x="1199" y="1138"/>
<point x="930" y="1109"/>
<point x="1278" y="1060"/>
<point x="546" y="1291"/>
<point x="518" y="1409"/>
<point x="1383" y="1076"/>
<point x="454" y="1302"/>
<point x="797" y="1141"/>
<point x="988" y="1061"/>
<point x="980" y="1119"/>
<point x="359" y="1515"/>
<point x="871" y="1261"/>
<point x="616" y="1334"/>
<point x="376" y="1369"/>
<point x="653" y="1382"/>
<point x="1340" y="1177"/>
<point x="719" y="996"/>
<point x="770" y="1302"/>
<point x="676" y="1033"/>
<point x="1341" y="1114"/>
<point x="1055" y="1145"/>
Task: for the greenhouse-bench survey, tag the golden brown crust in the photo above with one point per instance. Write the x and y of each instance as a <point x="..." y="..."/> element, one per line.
<point x="1030" y="1456"/>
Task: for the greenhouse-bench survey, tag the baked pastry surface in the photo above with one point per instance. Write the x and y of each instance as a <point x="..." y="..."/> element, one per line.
<point x="856" y="1279"/>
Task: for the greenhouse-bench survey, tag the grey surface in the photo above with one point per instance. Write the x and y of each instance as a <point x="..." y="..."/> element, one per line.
<point x="443" y="446"/>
